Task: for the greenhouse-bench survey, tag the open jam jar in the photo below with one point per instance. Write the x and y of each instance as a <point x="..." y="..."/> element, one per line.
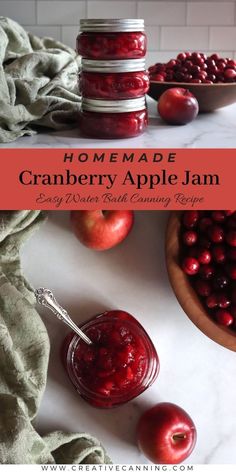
<point x="112" y="39"/>
<point x="113" y="119"/>
<point x="120" y="364"/>
<point x="113" y="79"/>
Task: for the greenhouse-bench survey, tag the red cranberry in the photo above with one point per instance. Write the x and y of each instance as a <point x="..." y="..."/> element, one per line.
<point x="206" y="272"/>
<point x="202" y="75"/>
<point x="224" y="318"/>
<point x="210" y="62"/>
<point x="231" y="63"/>
<point x="220" y="282"/>
<point x="158" y="67"/>
<point x="190" y="238"/>
<point x="171" y="64"/>
<point x="181" y="56"/>
<point x="169" y="76"/>
<point x="190" y="218"/>
<point x="204" y="223"/>
<point x="158" y="77"/>
<point x="218" y="253"/>
<point x="195" y="70"/>
<point x="204" y="256"/>
<point x="212" y="301"/>
<point x="211" y="78"/>
<point x="203" y="288"/>
<point x="229" y="212"/>
<point x="221" y="65"/>
<point x="215" y="57"/>
<point x="218" y="216"/>
<point x="231" y="238"/>
<point x="188" y="64"/>
<point x="216" y="233"/>
<point x="223" y="300"/>
<point x="230" y="75"/>
<point x="190" y="265"/>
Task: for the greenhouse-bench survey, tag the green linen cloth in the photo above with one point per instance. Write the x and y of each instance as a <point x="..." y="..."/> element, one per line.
<point x="38" y="83"/>
<point x="24" y="351"/>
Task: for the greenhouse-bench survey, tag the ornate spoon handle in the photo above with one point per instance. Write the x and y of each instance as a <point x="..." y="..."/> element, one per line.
<point x="45" y="297"/>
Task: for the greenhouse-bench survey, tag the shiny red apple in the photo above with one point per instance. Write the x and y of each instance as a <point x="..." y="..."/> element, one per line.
<point x="178" y="106"/>
<point x="101" y="230"/>
<point x="166" y="434"/>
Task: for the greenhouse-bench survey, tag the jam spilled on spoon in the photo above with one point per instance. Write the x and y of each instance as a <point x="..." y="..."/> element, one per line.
<point x="120" y="364"/>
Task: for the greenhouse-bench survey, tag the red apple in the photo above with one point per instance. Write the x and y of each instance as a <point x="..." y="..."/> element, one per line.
<point x="166" y="434"/>
<point x="102" y="230"/>
<point x="178" y="106"/>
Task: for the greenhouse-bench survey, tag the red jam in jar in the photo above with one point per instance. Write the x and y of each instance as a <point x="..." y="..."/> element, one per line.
<point x="113" y="119"/>
<point x="113" y="79"/>
<point x="112" y="39"/>
<point x="120" y="364"/>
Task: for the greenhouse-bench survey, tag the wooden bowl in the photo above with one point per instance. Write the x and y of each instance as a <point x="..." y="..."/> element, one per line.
<point x="186" y="295"/>
<point x="209" y="97"/>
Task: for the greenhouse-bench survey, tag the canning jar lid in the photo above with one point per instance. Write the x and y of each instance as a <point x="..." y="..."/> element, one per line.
<point x="130" y="65"/>
<point x="111" y="25"/>
<point x="113" y="106"/>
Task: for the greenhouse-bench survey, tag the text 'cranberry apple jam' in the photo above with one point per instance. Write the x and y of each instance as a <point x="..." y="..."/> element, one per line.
<point x="120" y="364"/>
<point x="113" y="79"/>
<point x="112" y="39"/>
<point x="113" y="118"/>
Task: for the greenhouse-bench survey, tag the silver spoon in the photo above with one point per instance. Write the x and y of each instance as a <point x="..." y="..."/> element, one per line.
<point x="45" y="297"/>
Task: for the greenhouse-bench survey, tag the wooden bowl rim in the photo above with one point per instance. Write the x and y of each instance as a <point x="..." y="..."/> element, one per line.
<point x="181" y="286"/>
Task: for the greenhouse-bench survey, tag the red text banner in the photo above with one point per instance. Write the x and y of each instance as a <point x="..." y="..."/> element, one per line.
<point x="138" y="179"/>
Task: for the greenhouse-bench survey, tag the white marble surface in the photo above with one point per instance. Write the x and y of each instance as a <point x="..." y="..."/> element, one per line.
<point x="196" y="373"/>
<point x="212" y="130"/>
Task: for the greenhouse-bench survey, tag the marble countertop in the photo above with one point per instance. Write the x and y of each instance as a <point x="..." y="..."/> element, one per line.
<point x="212" y="130"/>
<point x="195" y="373"/>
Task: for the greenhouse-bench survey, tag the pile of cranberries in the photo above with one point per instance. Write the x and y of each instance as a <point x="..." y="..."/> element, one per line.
<point x="208" y="241"/>
<point x="195" y="68"/>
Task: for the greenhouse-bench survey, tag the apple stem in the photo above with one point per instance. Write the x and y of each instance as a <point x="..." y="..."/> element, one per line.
<point x="178" y="436"/>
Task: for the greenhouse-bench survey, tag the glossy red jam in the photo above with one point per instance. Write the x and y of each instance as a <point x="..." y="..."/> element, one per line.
<point x="117" y="45"/>
<point x="114" y="85"/>
<point x="113" y="125"/>
<point x="120" y="364"/>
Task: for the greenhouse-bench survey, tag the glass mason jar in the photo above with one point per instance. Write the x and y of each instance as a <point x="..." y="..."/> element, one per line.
<point x="120" y="364"/>
<point x="113" y="79"/>
<point x="113" y="119"/>
<point x="112" y="39"/>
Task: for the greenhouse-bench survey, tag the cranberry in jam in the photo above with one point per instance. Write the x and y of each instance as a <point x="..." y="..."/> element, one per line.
<point x="112" y="39"/>
<point x="114" y="86"/>
<point x="113" y="119"/>
<point x="120" y="364"/>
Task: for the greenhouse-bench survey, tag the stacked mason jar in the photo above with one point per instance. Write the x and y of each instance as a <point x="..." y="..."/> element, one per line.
<point x="113" y="78"/>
